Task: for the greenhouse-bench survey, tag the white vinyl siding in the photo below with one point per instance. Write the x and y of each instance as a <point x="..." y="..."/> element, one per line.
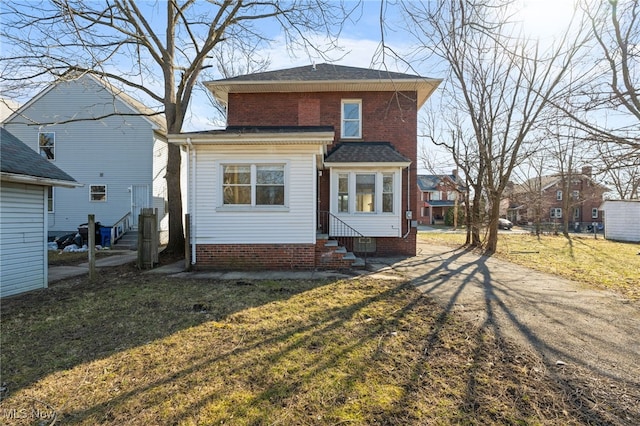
<point x="23" y="259"/>
<point x="293" y="223"/>
<point x="622" y="220"/>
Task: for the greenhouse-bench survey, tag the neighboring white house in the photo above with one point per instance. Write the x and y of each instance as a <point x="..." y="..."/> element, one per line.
<point x="112" y="144"/>
<point x="622" y="220"/>
<point x="25" y="180"/>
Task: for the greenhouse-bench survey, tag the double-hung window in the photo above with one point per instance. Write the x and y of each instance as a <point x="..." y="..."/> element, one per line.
<point x="50" y="203"/>
<point x="559" y="195"/>
<point x="556" y="213"/>
<point x="98" y="193"/>
<point x="594" y="213"/>
<point x="47" y="145"/>
<point x="343" y="192"/>
<point x="253" y="184"/>
<point x="351" y="119"/>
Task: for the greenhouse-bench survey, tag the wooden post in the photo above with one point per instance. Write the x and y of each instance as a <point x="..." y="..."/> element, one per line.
<point x="92" y="247"/>
<point x="147" y="239"/>
<point x="187" y="242"/>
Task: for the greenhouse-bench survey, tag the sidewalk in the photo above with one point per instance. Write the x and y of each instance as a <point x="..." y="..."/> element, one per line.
<point x="57" y="273"/>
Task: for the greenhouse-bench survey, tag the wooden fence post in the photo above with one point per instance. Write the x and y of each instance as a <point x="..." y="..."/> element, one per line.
<point x="147" y="239"/>
<point x="91" y="242"/>
<point x="187" y="242"/>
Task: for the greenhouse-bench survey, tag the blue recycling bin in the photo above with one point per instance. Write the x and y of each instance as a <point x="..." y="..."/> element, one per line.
<point x="105" y="236"/>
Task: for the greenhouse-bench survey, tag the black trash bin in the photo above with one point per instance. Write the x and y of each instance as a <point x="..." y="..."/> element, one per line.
<point x="83" y="230"/>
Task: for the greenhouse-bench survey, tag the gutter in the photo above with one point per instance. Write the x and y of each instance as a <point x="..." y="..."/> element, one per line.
<point x="37" y="180"/>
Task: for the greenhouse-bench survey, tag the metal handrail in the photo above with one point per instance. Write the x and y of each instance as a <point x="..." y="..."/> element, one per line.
<point x="120" y="227"/>
<point x="340" y="231"/>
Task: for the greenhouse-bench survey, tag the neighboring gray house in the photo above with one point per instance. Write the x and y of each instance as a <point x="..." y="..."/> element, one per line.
<point x="108" y="141"/>
<point x="25" y="180"/>
<point x="622" y="220"/>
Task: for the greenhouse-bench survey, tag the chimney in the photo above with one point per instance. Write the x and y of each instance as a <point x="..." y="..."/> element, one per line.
<point x="586" y="170"/>
<point x="454" y="172"/>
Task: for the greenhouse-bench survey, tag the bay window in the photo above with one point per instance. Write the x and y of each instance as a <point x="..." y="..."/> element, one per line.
<point x="366" y="192"/>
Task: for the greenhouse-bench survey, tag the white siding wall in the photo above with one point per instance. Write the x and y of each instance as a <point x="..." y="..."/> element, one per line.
<point x="23" y="259"/>
<point x="295" y="225"/>
<point x="116" y="151"/>
<point x="160" y="155"/>
<point x="622" y="220"/>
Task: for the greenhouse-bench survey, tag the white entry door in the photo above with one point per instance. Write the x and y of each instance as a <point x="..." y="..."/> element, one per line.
<point x="139" y="201"/>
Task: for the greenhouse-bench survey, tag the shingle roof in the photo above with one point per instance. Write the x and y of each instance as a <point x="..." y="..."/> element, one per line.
<point x="18" y="159"/>
<point x="365" y="152"/>
<point x="322" y="72"/>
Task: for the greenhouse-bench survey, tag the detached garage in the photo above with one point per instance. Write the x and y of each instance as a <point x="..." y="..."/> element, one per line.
<point x="622" y="220"/>
<point x="26" y="179"/>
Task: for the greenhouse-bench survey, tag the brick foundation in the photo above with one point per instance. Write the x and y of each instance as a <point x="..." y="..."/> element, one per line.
<point x="255" y="256"/>
<point x="396" y="246"/>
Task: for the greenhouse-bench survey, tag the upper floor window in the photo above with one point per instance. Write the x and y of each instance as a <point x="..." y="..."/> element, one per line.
<point x="98" y="193"/>
<point x="47" y="145"/>
<point x="351" y="119"/>
<point x="436" y="196"/>
<point x="558" y="195"/>
<point x="575" y="195"/>
<point x="253" y="184"/>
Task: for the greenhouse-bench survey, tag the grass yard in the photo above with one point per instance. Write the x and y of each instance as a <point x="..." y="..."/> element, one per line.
<point x="598" y="262"/>
<point x="141" y="349"/>
<point x="60" y="258"/>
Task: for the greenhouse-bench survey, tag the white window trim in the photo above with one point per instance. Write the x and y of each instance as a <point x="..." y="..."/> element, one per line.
<point x="251" y="207"/>
<point x="594" y="213"/>
<point x="53" y="199"/>
<point x="54" y="146"/>
<point x="556" y="213"/>
<point x="379" y="173"/>
<point x="342" y="119"/>
<point x="91" y="200"/>
<point x="558" y="195"/>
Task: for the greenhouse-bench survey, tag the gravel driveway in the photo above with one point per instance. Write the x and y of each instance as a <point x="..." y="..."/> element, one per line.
<point x="588" y="339"/>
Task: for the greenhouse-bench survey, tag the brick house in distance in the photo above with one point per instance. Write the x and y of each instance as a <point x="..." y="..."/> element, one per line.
<point x="313" y="158"/>
<point x="542" y="199"/>
<point x="436" y="195"/>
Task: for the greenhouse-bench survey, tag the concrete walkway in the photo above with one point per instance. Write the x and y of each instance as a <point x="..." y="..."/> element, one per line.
<point x="57" y="273"/>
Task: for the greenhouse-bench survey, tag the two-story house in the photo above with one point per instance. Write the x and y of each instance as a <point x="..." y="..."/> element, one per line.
<point x="109" y="142"/>
<point x="308" y="153"/>
<point x="437" y="194"/>
<point x="546" y="199"/>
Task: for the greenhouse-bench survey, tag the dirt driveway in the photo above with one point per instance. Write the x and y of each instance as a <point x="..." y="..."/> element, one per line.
<point x="589" y="339"/>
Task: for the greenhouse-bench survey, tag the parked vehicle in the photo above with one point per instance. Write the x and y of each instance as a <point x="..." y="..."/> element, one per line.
<point x="504" y="224"/>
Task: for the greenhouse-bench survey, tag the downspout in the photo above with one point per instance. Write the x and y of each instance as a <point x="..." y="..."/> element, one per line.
<point x="191" y="155"/>
<point x="408" y="201"/>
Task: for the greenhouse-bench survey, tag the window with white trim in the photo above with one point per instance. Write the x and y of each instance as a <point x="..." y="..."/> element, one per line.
<point x="594" y="213"/>
<point x="47" y="145"/>
<point x="98" y="193"/>
<point x="351" y="119"/>
<point x="253" y="184"/>
<point x="575" y="194"/>
<point x="556" y="213"/>
<point x="576" y="213"/>
<point x="365" y="192"/>
<point x="559" y="195"/>
<point x="50" y="199"/>
<point x="343" y="192"/>
<point x="387" y="192"/>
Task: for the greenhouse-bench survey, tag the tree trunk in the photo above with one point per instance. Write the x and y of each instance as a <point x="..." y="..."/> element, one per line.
<point x="176" y="233"/>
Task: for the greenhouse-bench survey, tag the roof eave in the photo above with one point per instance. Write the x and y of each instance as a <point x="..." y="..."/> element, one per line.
<point x="293" y="138"/>
<point x="423" y="86"/>
<point x="37" y="180"/>
<point x="368" y="164"/>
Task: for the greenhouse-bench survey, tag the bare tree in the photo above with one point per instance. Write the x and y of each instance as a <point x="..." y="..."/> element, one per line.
<point x="501" y="80"/>
<point x="159" y="49"/>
